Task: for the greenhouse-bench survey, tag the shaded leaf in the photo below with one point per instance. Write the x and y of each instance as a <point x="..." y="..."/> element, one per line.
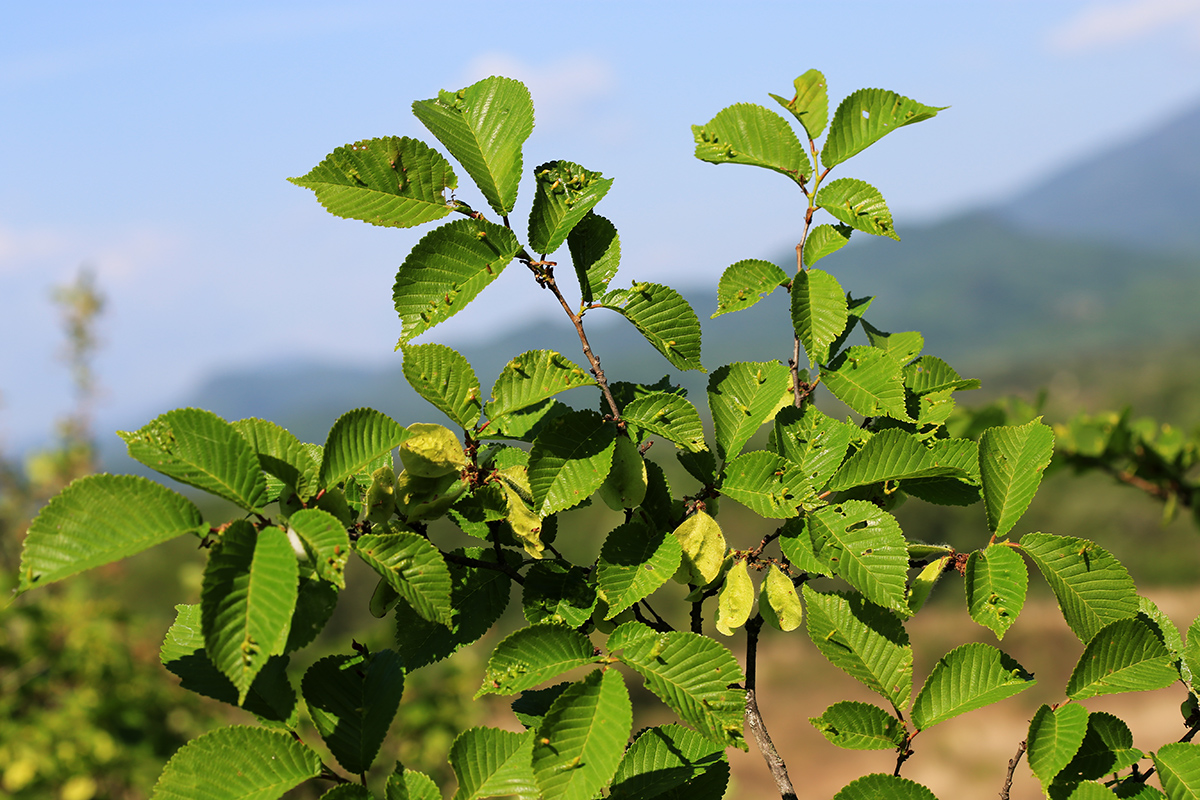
<point x="860" y="726"/>
<point x="819" y="313"/>
<point x="663" y="317"/>
<point x="534" y="655"/>
<point x="554" y="592"/>
<point x="352" y="700"/>
<point x="595" y="253"/>
<point x="1107" y="748"/>
<point x="869" y="381"/>
<point x="1123" y="656"/>
<point x="768" y="484"/>
<point x="489" y="762"/>
<point x="283" y="457"/>
<point x="634" y="562"/>
<point x="443" y="377"/>
<point x="565" y="194"/>
<point x="671" y="761"/>
<point x="532" y="377"/>
<point x="570" y="458"/>
<point x="742" y="396"/>
<point x="864" y="640"/>
<point x="237" y="763"/>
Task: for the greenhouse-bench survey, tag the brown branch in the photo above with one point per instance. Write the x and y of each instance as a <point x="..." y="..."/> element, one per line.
<point x="754" y="720"/>
<point x="1012" y="768"/>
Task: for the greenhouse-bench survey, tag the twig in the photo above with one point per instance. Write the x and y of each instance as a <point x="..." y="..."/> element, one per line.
<point x="754" y="720"/>
<point x="1012" y="768"/>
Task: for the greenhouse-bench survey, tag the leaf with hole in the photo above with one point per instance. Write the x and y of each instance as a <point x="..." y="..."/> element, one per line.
<point x="865" y="117"/>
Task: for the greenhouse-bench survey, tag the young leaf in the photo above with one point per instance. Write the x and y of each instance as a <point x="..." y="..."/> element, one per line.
<point x="247" y="600"/>
<point x="815" y="442"/>
<point x="865" y="547"/>
<point x="489" y="762"/>
<point x="743" y="396"/>
<point x="282" y="456"/>
<point x="446" y="270"/>
<point x="859" y="726"/>
<point x="768" y="484"/>
<point x="1178" y="766"/>
<point x="1054" y="738"/>
<point x="921" y="586"/>
<point x="745" y="283"/>
<point x="100" y="519"/>
<point x="663" y="317"/>
<point x="668" y="415"/>
<point x="819" y="312"/>
<point x="325" y="539"/>
<point x="1123" y="656"/>
<point x="671" y="761"/>
<point x="200" y="449"/>
<point x="532" y="377"/>
<point x="393" y="181"/>
<point x="735" y="600"/>
<point x="810" y="103"/>
<point x="554" y="592"/>
<point x="596" y="254"/>
<point x="1011" y="462"/>
<point x="1091" y="586"/>
<point x="703" y="547"/>
<point x="690" y="673"/>
<point x="357" y="439"/>
<point x="635" y="561"/>
<point x="878" y="786"/>
<point x="582" y="738"/>
<point x="864" y="640"/>
<point x="968" y="677"/>
<point x="995" y="582"/>
<point x="893" y="455"/>
<point x="414" y="568"/>
<point x="869" y="381"/>
<point x="484" y="126"/>
<point x="534" y="655"/>
<point x="1107" y="748"/>
<point x="867" y="116"/>
<point x="565" y="194"/>
<point x="443" y="377"/>
<point x="352" y="700"/>
<point x="825" y="240"/>
<point x="747" y="133"/>
<point x="237" y="763"/>
<point x="570" y="458"/>
<point x="778" y="601"/>
<point x="859" y="205"/>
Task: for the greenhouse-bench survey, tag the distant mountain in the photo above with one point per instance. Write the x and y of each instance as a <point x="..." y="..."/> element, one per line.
<point x="1145" y="192"/>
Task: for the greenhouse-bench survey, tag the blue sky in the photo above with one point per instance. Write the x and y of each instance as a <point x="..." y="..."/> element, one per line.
<point x="151" y="141"/>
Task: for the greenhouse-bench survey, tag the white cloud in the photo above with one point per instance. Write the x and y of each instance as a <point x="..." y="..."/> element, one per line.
<point x="116" y="258"/>
<point x="562" y="89"/>
<point x="1100" y="25"/>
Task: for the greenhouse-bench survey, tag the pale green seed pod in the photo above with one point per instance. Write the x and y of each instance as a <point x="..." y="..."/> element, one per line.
<point x="525" y="523"/>
<point x="735" y="599"/>
<point x="703" y="549"/>
<point x="778" y="601"/>
<point x="432" y="451"/>
<point x="383" y="599"/>
<point x="625" y="486"/>
<point x="381" y="496"/>
<point x="427" y="498"/>
<point x="922" y="585"/>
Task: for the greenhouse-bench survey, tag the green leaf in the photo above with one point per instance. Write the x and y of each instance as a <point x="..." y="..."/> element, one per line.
<point x="813" y="441"/>
<point x="869" y="381"/>
<point x="1190" y="652"/>
<point x="478" y="597"/>
<point x="1086" y="790"/>
<point x="532" y="377"/>
<point x="670" y="416"/>
<point x="893" y="455"/>
<point x="995" y="582"/>
<point x="860" y="726"/>
<point x="745" y="283"/>
<point x="411" y="785"/>
<point x="1123" y="656"/>
<point x="489" y="762"/>
<point x="968" y="677"/>
<point x="565" y="194"/>
<point x="348" y="791"/>
<point x="554" y="592"/>
<point x="671" y="761"/>
<point x="100" y="519"/>
<point x="315" y="602"/>
<point x="768" y="484"/>
<point x="867" y="116"/>
<point x="582" y="738"/>
<point x="859" y="205"/>
<point x="1107" y="748"/>
<point x="663" y="317"/>
<point x="879" y="786"/>
<point x="352" y="700"/>
<point x="1011" y="462"/>
<point x="534" y="655"/>
<point x="1091" y="586"/>
<point x="1136" y="790"/>
<point x="865" y="547"/>
<point x="742" y="397"/>
<point x="282" y="456"/>
<point x="446" y="270"/>
<point x="810" y="103"/>
<point x="866" y="641"/>
<point x="903" y="346"/>
<point x="819" y="312"/>
<point x="357" y="439"/>
<point x="570" y="458"/>
<point x="237" y="763"/>
<point x="393" y="181"/>
<point x="634" y="562"/>
<point x="1054" y="737"/>
<point x="690" y="673"/>
<point x="247" y="600"/>
<point x="1178" y="766"/>
<point x="930" y="374"/>
<point x="526" y="424"/>
<point x="414" y="567"/>
<point x="704" y="548"/>
<point x="326" y="540"/>
<point x="270" y="697"/>
<point x="746" y="133"/>
<point x="533" y="704"/>
<point x="200" y="449"/>
<point x="443" y="377"/>
<point x="484" y="127"/>
<point x="825" y="240"/>
<point x="596" y="254"/>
